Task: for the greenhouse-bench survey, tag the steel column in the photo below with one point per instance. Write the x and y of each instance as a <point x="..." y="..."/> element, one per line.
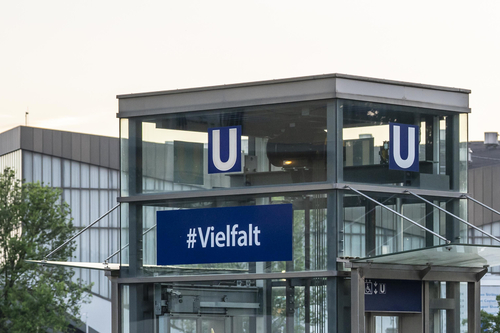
<point x="357" y="300"/>
<point x="474" y="307"/>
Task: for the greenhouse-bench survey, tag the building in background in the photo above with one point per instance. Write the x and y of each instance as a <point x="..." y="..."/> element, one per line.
<point x="86" y="168"/>
<point x="484" y="185"/>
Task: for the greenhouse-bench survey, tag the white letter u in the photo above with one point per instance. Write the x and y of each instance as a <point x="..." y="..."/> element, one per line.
<point x="233" y="147"/>
<point x="404" y="163"/>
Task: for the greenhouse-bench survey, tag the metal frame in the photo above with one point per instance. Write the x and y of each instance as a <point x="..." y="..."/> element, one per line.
<point x="453" y="215"/>
<point x="419" y="272"/>
<point x="269" y="190"/>
<point x="291" y="90"/>
<point x="362" y="271"/>
<point x="328" y="88"/>
<point x="398" y="214"/>
<point x="228" y="277"/>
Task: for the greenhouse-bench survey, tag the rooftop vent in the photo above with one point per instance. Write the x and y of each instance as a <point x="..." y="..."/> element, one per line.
<point x="491" y="139"/>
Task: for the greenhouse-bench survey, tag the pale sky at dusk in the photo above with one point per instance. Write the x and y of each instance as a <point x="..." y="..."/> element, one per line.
<point x="65" y="61"/>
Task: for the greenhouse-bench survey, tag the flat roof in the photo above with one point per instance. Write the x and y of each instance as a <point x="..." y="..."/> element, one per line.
<point x="87" y="148"/>
<point x="294" y="79"/>
<point x="291" y="90"/>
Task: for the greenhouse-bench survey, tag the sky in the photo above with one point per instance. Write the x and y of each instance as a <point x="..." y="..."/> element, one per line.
<point x="64" y="62"/>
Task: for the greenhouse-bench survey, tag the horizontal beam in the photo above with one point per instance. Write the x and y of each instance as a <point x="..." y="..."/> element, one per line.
<point x="278" y="189"/>
<point x="226" y="277"/>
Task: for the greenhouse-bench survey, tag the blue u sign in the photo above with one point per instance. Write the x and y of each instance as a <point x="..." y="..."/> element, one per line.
<point x="226" y="234"/>
<point x="403" y="149"/>
<point x="224" y="149"/>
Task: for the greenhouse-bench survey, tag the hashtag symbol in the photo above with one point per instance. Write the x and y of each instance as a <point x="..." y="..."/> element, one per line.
<point x="191" y="238"/>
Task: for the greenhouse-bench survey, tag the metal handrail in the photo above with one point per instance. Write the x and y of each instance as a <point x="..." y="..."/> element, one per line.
<point x="398" y="214"/>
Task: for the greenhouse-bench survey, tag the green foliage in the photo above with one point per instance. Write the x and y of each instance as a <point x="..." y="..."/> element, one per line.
<point x="33" y="220"/>
<point x="490" y="322"/>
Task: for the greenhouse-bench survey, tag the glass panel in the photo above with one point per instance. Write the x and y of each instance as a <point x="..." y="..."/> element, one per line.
<point x="464" y="151"/>
<point x="114" y="245"/>
<point x="366" y="152"/>
<point x="85" y="246"/>
<point x="85" y="172"/>
<point x="66" y="173"/>
<point x="124" y="233"/>
<point x="309" y="236"/>
<point x="37" y="167"/>
<point x="103" y="178"/>
<point x="280" y="144"/>
<point x="114" y="179"/>
<point x="463" y="307"/>
<point x="212" y="325"/>
<point x="114" y="215"/>
<point x="464" y="255"/>
<point x="94" y="176"/>
<point x="103" y="284"/>
<point x="104" y="206"/>
<point x="47" y="170"/>
<point x="104" y="243"/>
<point x="370" y="229"/>
<point x="94" y="257"/>
<point x="75" y="174"/>
<point x="56" y="172"/>
<point x="76" y="253"/>
<point x="125" y="156"/>
<point x="125" y="308"/>
<point x="28" y="166"/>
<point x="386" y="324"/>
<point x="183" y="326"/>
<point x="75" y="208"/>
<point x="85" y="208"/>
<point x="94" y="206"/>
<point x="293" y="305"/>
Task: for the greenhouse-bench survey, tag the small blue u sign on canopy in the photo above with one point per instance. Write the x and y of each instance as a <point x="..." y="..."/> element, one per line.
<point x="403" y="148"/>
<point x="224" y="149"/>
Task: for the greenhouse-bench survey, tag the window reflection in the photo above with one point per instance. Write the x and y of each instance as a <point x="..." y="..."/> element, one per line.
<point x="366" y="144"/>
<point x="280" y="144"/>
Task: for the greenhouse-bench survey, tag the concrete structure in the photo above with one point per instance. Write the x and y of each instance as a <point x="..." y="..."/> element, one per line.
<point x="86" y="168"/>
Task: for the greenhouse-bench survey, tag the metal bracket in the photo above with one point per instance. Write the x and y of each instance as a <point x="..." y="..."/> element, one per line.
<point x="425" y="271"/>
<point x="480" y="275"/>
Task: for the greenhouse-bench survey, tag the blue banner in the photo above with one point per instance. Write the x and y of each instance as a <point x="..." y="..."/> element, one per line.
<point x="403" y="147"/>
<point x="224" y="149"/>
<point x="393" y="295"/>
<point x="227" y="234"/>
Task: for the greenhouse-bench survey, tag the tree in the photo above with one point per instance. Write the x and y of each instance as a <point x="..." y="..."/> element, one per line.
<point x="34" y="220"/>
<point x="491" y="322"/>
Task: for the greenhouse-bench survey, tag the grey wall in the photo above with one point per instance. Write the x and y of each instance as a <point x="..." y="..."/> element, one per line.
<point x="92" y="149"/>
<point x="483" y="186"/>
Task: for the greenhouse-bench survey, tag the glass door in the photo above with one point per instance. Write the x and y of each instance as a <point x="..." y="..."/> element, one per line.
<point x="386" y="324"/>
